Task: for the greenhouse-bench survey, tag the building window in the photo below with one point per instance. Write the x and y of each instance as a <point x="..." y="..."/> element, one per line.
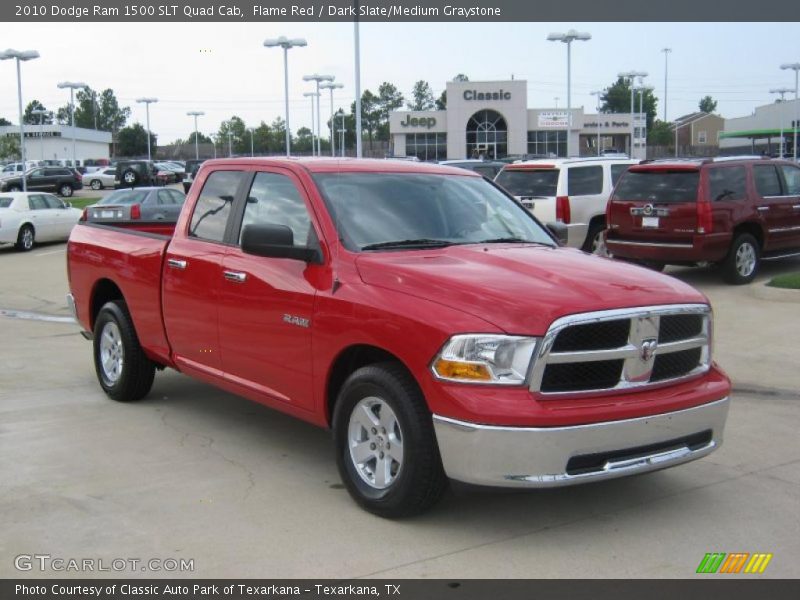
<point x="546" y="143"/>
<point x="701" y="137"/>
<point x="427" y="146"/>
<point x="487" y="135"/>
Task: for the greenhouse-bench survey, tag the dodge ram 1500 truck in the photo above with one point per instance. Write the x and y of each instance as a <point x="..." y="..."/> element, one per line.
<point x="419" y="312"/>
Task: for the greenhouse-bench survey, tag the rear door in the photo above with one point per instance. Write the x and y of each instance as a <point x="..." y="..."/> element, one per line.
<point x="61" y="217"/>
<point x="266" y="304"/>
<point x="41" y="217"/>
<point x="774" y="206"/>
<point x="193" y="279"/>
<point x="727" y="194"/>
<point x="656" y="204"/>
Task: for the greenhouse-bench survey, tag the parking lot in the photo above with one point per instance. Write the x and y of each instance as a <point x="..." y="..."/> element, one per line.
<point x="192" y="472"/>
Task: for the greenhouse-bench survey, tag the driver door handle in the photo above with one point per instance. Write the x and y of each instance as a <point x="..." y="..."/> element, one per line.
<point x="235" y="276"/>
<point x="176" y="263"/>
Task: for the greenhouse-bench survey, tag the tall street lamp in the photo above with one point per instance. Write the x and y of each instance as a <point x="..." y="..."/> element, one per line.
<point x="567" y="38"/>
<point x="643" y="127"/>
<point x="629" y="75"/>
<point x="41" y="112"/>
<point x="357" y="52"/>
<point x="252" y="142"/>
<point x="796" y="68"/>
<point x="598" y="94"/>
<point x="195" y="114"/>
<point x="285" y="43"/>
<point x="147" y="102"/>
<point x="342" y="131"/>
<point x="20" y="55"/>
<point x="667" y="52"/>
<point x="332" y="86"/>
<point x="782" y="91"/>
<point x="312" y="95"/>
<point x="318" y="79"/>
<point x="72" y="85"/>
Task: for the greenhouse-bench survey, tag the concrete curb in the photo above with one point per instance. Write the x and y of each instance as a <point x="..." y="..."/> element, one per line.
<point x="764" y="292"/>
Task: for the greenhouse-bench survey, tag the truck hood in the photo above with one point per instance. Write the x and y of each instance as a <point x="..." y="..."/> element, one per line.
<point x="521" y="288"/>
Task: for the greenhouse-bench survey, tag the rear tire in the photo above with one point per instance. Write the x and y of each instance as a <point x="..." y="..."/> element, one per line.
<point x="744" y="258"/>
<point x="130" y="177"/>
<point x="96" y="184"/>
<point x="26" y="238"/>
<point x="595" y="242"/>
<point x="385" y="444"/>
<point x="123" y="370"/>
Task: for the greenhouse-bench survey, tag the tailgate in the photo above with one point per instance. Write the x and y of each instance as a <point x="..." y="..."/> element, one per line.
<point x="655" y="205"/>
<point x="534" y="186"/>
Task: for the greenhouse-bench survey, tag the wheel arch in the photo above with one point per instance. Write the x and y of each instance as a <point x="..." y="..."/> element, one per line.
<point x="753" y="228"/>
<point x="349" y="360"/>
<point x="104" y="291"/>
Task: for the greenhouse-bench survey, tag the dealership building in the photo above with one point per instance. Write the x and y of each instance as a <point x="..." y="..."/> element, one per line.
<point x="492" y="119"/>
<point x="55" y="141"/>
<point x="760" y="132"/>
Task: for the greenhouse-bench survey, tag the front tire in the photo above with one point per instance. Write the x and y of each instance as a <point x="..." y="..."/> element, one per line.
<point x="741" y="264"/>
<point x="130" y="177"/>
<point x="385" y="444"/>
<point x="96" y="184"/>
<point x="26" y="238"/>
<point x="123" y="370"/>
<point x="65" y="190"/>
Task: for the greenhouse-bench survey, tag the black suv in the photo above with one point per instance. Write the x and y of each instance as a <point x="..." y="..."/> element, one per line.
<point x="61" y="180"/>
<point x="135" y="173"/>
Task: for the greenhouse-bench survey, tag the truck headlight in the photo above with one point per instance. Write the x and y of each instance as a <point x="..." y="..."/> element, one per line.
<point x="485" y="358"/>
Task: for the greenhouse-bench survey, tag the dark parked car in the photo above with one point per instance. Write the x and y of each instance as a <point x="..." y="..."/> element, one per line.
<point x="135" y="173"/>
<point x="732" y="211"/>
<point x="61" y="180"/>
<point x="145" y="204"/>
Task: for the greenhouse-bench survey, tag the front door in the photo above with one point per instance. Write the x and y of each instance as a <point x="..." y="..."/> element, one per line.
<point x="267" y="304"/>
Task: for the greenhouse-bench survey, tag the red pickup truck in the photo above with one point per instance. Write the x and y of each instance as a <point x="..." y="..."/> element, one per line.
<point x="419" y="312"/>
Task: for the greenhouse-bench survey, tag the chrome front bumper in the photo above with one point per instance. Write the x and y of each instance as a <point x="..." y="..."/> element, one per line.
<point x="541" y="457"/>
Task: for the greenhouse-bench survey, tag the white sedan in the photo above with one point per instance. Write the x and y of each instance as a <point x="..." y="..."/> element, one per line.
<point x="102" y="178"/>
<point x="30" y="217"/>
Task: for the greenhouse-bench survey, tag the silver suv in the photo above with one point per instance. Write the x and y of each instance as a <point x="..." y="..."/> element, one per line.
<point x="573" y="191"/>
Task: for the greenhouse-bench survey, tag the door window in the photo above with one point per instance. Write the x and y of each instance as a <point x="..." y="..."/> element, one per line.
<point x="616" y="171"/>
<point x="727" y="183"/>
<point x="165" y="199"/>
<point x="273" y="199"/>
<point x="766" y="179"/>
<point x="210" y="216"/>
<point x="52" y="201"/>
<point x="791" y="175"/>
<point x="584" y="181"/>
<point x="37" y="202"/>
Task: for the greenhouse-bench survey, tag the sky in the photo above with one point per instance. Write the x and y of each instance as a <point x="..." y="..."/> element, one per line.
<point x="224" y="70"/>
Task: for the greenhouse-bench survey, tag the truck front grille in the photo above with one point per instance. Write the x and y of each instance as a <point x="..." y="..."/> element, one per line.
<point x="622" y="349"/>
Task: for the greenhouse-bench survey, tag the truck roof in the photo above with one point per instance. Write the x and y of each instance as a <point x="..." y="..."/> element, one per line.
<point x="345" y="165"/>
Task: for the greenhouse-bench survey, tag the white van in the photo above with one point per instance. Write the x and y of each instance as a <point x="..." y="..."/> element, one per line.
<point x="573" y="191"/>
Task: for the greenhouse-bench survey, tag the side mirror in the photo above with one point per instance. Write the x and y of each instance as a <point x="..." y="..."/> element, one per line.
<point x="276" y="241"/>
<point x="559" y="231"/>
<point x="67" y="205"/>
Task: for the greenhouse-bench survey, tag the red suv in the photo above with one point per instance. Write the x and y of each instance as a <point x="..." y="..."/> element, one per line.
<point x="734" y="212"/>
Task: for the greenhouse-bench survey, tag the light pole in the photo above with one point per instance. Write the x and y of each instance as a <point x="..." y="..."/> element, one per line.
<point x="332" y="86"/>
<point x="629" y="75"/>
<point x="312" y="95"/>
<point x="342" y="131"/>
<point x="643" y="128"/>
<point x="567" y="38"/>
<point x="318" y="79"/>
<point x="147" y="102"/>
<point x="286" y="43"/>
<point x="195" y="114"/>
<point x="41" y="112"/>
<point x="357" y="52"/>
<point x="598" y="94"/>
<point x="796" y="68"/>
<point x="72" y="85"/>
<point x="230" y="144"/>
<point x="20" y="55"/>
<point x="667" y="52"/>
<point x="252" y="142"/>
<point x="782" y="91"/>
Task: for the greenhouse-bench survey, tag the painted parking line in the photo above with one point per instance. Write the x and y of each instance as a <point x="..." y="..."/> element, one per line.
<point x="38" y="254"/>
<point x="34" y="316"/>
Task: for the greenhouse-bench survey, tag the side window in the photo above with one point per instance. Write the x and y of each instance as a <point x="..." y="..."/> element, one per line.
<point x="791" y="175"/>
<point x="164" y="199"/>
<point x="210" y="216"/>
<point x="766" y="180"/>
<point x="52" y="201"/>
<point x="37" y="173"/>
<point x="727" y="183"/>
<point x="582" y="181"/>
<point x="274" y="200"/>
<point x="177" y="197"/>
<point x="616" y="171"/>
<point x="36" y="202"/>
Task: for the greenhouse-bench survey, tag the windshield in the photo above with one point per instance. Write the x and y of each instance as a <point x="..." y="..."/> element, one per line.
<point x="385" y="210"/>
<point x="659" y="187"/>
<point x="529" y="182"/>
<point x="124" y="197"/>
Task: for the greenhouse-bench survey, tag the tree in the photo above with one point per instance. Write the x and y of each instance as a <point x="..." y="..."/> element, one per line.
<point x="201" y="138"/>
<point x="277" y="135"/>
<point x="422" y="95"/>
<point x="660" y="134"/>
<point x="617" y="99"/>
<point x="236" y="140"/>
<point x="370" y="113"/>
<point x="389" y="99"/>
<point x="262" y="139"/>
<point x="441" y="101"/>
<point x="31" y="119"/>
<point x="132" y="141"/>
<point x="461" y="78"/>
<point x="303" y="141"/>
<point x="707" y="104"/>
<point x="4" y="122"/>
<point x="9" y="147"/>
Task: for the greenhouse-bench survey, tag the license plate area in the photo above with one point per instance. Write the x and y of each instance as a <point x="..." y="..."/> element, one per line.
<point x="651" y="222"/>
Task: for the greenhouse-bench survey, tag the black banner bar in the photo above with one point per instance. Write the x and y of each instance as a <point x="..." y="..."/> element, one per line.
<point x="122" y="11"/>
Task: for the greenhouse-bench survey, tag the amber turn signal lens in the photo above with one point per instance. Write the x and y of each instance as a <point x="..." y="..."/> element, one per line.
<point x="458" y="370"/>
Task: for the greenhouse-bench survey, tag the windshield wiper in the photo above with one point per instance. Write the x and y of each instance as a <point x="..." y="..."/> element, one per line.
<point x="418" y="243"/>
<point x="506" y="240"/>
